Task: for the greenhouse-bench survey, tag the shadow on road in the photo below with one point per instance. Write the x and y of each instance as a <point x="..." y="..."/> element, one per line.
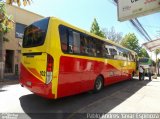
<point x="2" y="90"/>
<point x="71" y="107"/>
<point x="9" y="80"/>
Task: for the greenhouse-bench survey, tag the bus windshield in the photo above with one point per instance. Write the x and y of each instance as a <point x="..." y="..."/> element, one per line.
<point x="34" y="34"/>
<point x="146" y="61"/>
<point x="143" y="60"/>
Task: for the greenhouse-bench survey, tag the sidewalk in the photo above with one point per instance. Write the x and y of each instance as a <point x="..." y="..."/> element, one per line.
<point x="9" y="80"/>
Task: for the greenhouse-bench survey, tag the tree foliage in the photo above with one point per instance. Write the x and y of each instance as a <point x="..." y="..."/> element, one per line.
<point x="95" y="29"/>
<point x="157" y="51"/>
<point x="143" y="53"/>
<point x="19" y="2"/>
<point x="6" y="21"/>
<point x="130" y="41"/>
<point x="113" y="35"/>
<point x="6" y="24"/>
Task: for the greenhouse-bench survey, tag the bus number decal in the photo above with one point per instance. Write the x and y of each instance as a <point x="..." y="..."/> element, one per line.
<point x="43" y="73"/>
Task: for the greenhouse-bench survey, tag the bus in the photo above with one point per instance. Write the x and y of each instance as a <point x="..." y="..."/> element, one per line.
<point x="60" y="60"/>
<point x="147" y="63"/>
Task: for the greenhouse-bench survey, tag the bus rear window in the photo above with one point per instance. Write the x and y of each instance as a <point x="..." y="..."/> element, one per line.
<point x="34" y="34"/>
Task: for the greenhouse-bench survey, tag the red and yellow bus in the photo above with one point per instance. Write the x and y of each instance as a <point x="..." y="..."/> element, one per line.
<point x="60" y="60"/>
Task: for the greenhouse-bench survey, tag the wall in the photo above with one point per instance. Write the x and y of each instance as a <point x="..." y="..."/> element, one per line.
<point x="19" y="16"/>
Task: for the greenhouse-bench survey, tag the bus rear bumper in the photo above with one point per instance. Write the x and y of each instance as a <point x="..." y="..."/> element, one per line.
<point x="35" y="85"/>
<point x="39" y="89"/>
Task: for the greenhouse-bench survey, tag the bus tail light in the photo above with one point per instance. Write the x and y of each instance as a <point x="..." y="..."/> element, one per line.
<point x="49" y="74"/>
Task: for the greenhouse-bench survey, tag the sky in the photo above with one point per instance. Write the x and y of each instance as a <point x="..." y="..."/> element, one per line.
<point x="81" y="13"/>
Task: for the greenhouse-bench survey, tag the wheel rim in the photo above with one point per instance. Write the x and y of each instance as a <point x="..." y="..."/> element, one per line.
<point x="98" y="84"/>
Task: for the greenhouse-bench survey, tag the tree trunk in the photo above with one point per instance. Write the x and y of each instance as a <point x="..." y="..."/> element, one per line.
<point x="1" y="57"/>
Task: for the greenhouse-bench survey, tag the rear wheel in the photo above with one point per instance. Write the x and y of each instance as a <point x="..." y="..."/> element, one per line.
<point x="98" y="85"/>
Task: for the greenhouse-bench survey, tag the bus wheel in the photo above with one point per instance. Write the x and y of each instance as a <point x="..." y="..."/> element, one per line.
<point x="98" y="85"/>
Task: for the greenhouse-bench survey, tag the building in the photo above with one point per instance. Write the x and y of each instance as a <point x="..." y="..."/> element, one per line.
<point x="12" y="48"/>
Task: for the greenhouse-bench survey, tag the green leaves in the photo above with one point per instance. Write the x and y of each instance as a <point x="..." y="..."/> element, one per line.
<point x="2" y="11"/>
<point x="19" y="2"/>
<point x="6" y="22"/>
<point x="143" y="53"/>
<point x="130" y="41"/>
<point x="96" y="30"/>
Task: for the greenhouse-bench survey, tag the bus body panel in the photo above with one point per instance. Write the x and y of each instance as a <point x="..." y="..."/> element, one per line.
<point x="77" y="74"/>
<point x="36" y="64"/>
<point x="35" y="85"/>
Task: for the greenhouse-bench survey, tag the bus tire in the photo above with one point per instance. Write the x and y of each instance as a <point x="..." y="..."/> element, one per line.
<point x="98" y="85"/>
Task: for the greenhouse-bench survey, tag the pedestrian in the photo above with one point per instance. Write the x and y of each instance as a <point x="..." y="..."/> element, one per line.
<point x="143" y="76"/>
<point x="149" y="72"/>
<point x="140" y="73"/>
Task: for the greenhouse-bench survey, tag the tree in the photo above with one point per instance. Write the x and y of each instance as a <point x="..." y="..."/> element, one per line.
<point x="113" y="35"/>
<point x="143" y="53"/>
<point x="5" y="26"/>
<point x="157" y="51"/>
<point x="95" y="29"/>
<point x="19" y="2"/>
<point x="130" y="41"/>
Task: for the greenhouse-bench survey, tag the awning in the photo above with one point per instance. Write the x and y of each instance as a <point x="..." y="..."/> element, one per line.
<point x="152" y="45"/>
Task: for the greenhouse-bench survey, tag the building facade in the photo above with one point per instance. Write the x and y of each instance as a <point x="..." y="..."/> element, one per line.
<point x="12" y="48"/>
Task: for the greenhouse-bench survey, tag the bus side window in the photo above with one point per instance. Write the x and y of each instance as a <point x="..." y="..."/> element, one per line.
<point x="86" y="50"/>
<point x="113" y="53"/>
<point x="63" y="38"/>
<point x="105" y="51"/>
<point x="70" y="41"/>
<point x="91" y="46"/>
<point x="76" y="42"/>
<point x="99" y="45"/>
<point x="82" y="44"/>
<point x="125" y="56"/>
<point x="132" y="57"/>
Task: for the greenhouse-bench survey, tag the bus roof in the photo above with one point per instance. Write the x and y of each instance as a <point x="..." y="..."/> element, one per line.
<point x="91" y="34"/>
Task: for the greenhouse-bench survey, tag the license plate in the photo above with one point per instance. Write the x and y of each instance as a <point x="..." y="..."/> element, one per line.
<point x="29" y="83"/>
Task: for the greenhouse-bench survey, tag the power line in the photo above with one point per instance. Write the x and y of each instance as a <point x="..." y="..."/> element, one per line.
<point x="143" y="30"/>
<point x="139" y="29"/>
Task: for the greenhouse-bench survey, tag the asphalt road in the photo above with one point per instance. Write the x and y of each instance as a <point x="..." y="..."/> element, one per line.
<point x="125" y="97"/>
